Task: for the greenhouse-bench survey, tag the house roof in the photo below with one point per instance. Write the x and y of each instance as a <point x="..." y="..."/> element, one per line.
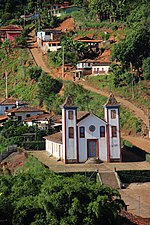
<point x="91" y="114"/>
<point x="3" y="117"/>
<point x="87" y="60"/>
<point x="44" y="117"/>
<point x="11" y="27"/>
<point x="112" y="101"/>
<point x="81" y="115"/>
<point x="101" y="64"/>
<point x="51" y="30"/>
<point x="54" y="42"/>
<point x="8" y="101"/>
<point x="87" y="39"/>
<point x="24" y="109"/>
<point x="57" y="137"/>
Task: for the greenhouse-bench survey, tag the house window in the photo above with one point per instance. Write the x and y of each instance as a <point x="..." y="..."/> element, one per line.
<point x="28" y="115"/>
<point x="82" y="132"/>
<point x="102" y="131"/>
<point x="6" y="108"/>
<point x="70" y="115"/>
<point x="113" y="114"/>
<point x="19" y="118"/>
<point x="114" y="131"/>
<point x="71" y="132"/>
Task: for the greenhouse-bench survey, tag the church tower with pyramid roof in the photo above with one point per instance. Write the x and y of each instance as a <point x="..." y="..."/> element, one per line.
<point x="112" y="117"/>
<point x="69" y="130"/>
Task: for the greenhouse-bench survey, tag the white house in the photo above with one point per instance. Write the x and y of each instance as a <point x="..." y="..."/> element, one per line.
<point x="45" y="121"/>
<point x="21" y="113"/>
<point x="100" y="68"/>
<point x="85" y="136"/>
<point x="49" y="40"/>
<point x="52" y="46"/>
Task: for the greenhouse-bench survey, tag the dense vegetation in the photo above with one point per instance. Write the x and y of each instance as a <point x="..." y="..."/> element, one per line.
<point x="134" y="176"/>
<point x="34" y="195"/>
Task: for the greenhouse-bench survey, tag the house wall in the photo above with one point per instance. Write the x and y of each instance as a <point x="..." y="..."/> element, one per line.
<point x="24" y="114"/>
<point x="102" y="142"/>
<point x="12" y="36"/>
<point x="6" y="107"/>
<point x="54" y="149"/>
<point x="52" y="48"/>
<point x="82" y="65"/>
<point x="100" y="69"/>
<point x="43" y="36"/>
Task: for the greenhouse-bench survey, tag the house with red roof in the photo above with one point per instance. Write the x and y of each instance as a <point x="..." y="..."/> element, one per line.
<point x="100" y="68"/>
<point x="21" y="113"/>
<point x="9" y="103"/>
<point x="10" y="32"/>
<point x="45" y="121"/>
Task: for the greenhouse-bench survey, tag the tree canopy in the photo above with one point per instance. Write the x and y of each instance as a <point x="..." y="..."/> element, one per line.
<point x="34" y="195"/>
<point x="136" y="45"/>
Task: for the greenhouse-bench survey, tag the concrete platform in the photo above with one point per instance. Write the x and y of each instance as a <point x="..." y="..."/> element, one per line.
<point x="58" y="166"/>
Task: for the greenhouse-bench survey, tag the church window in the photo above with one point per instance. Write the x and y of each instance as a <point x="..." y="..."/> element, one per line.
<point x="102" y="131"/>
<point x="82" y="132"/>
<point x="71" y="132"/>
<point x="114" y="131"/>
<point x="70" y="115"/>
<point x="113" y="114"/>
<point x="92" y="128"/>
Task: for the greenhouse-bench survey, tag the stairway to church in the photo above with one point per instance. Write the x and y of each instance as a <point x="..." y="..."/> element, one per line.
<point x="109" y="178"/>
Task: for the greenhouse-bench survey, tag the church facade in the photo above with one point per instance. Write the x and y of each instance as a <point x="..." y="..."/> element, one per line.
<point x="85" y="136"/>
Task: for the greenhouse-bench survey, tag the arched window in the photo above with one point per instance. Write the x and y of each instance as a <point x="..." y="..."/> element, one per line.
<point x="82" y="132"/>
<point x="71" y="132"/>
<point x="114" y="131"/>
<point x="70" y="115"/>
<point x="102" y="131"/>
<point x="113" y="114"/>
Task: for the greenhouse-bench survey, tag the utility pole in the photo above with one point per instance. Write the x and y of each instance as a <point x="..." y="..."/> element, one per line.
<point x="132" y="86"/>
<point x="63" y="61"/>
<point x="24" y="20"/>
<point x="6" y="76"/>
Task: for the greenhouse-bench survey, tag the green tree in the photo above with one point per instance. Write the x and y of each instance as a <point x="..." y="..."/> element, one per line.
<point x="35" y="72"/>
<point x="146" y="68"/>
<point x="6" y="45"/>
<point x="47" y="86"/>
<point x="136" y="45"/>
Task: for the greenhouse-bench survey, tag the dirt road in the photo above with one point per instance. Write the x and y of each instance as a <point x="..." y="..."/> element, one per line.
<point x="139" y="113"/>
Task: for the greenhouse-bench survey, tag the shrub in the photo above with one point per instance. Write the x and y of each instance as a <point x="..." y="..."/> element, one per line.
<point x="133" y="176"/>
<point x="35" y="72"/>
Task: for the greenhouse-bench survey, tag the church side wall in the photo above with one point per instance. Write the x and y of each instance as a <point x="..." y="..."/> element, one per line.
<point x="54" y="149"/>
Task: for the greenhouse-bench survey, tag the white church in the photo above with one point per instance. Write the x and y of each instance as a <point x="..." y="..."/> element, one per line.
<point x="85" y="136"/>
